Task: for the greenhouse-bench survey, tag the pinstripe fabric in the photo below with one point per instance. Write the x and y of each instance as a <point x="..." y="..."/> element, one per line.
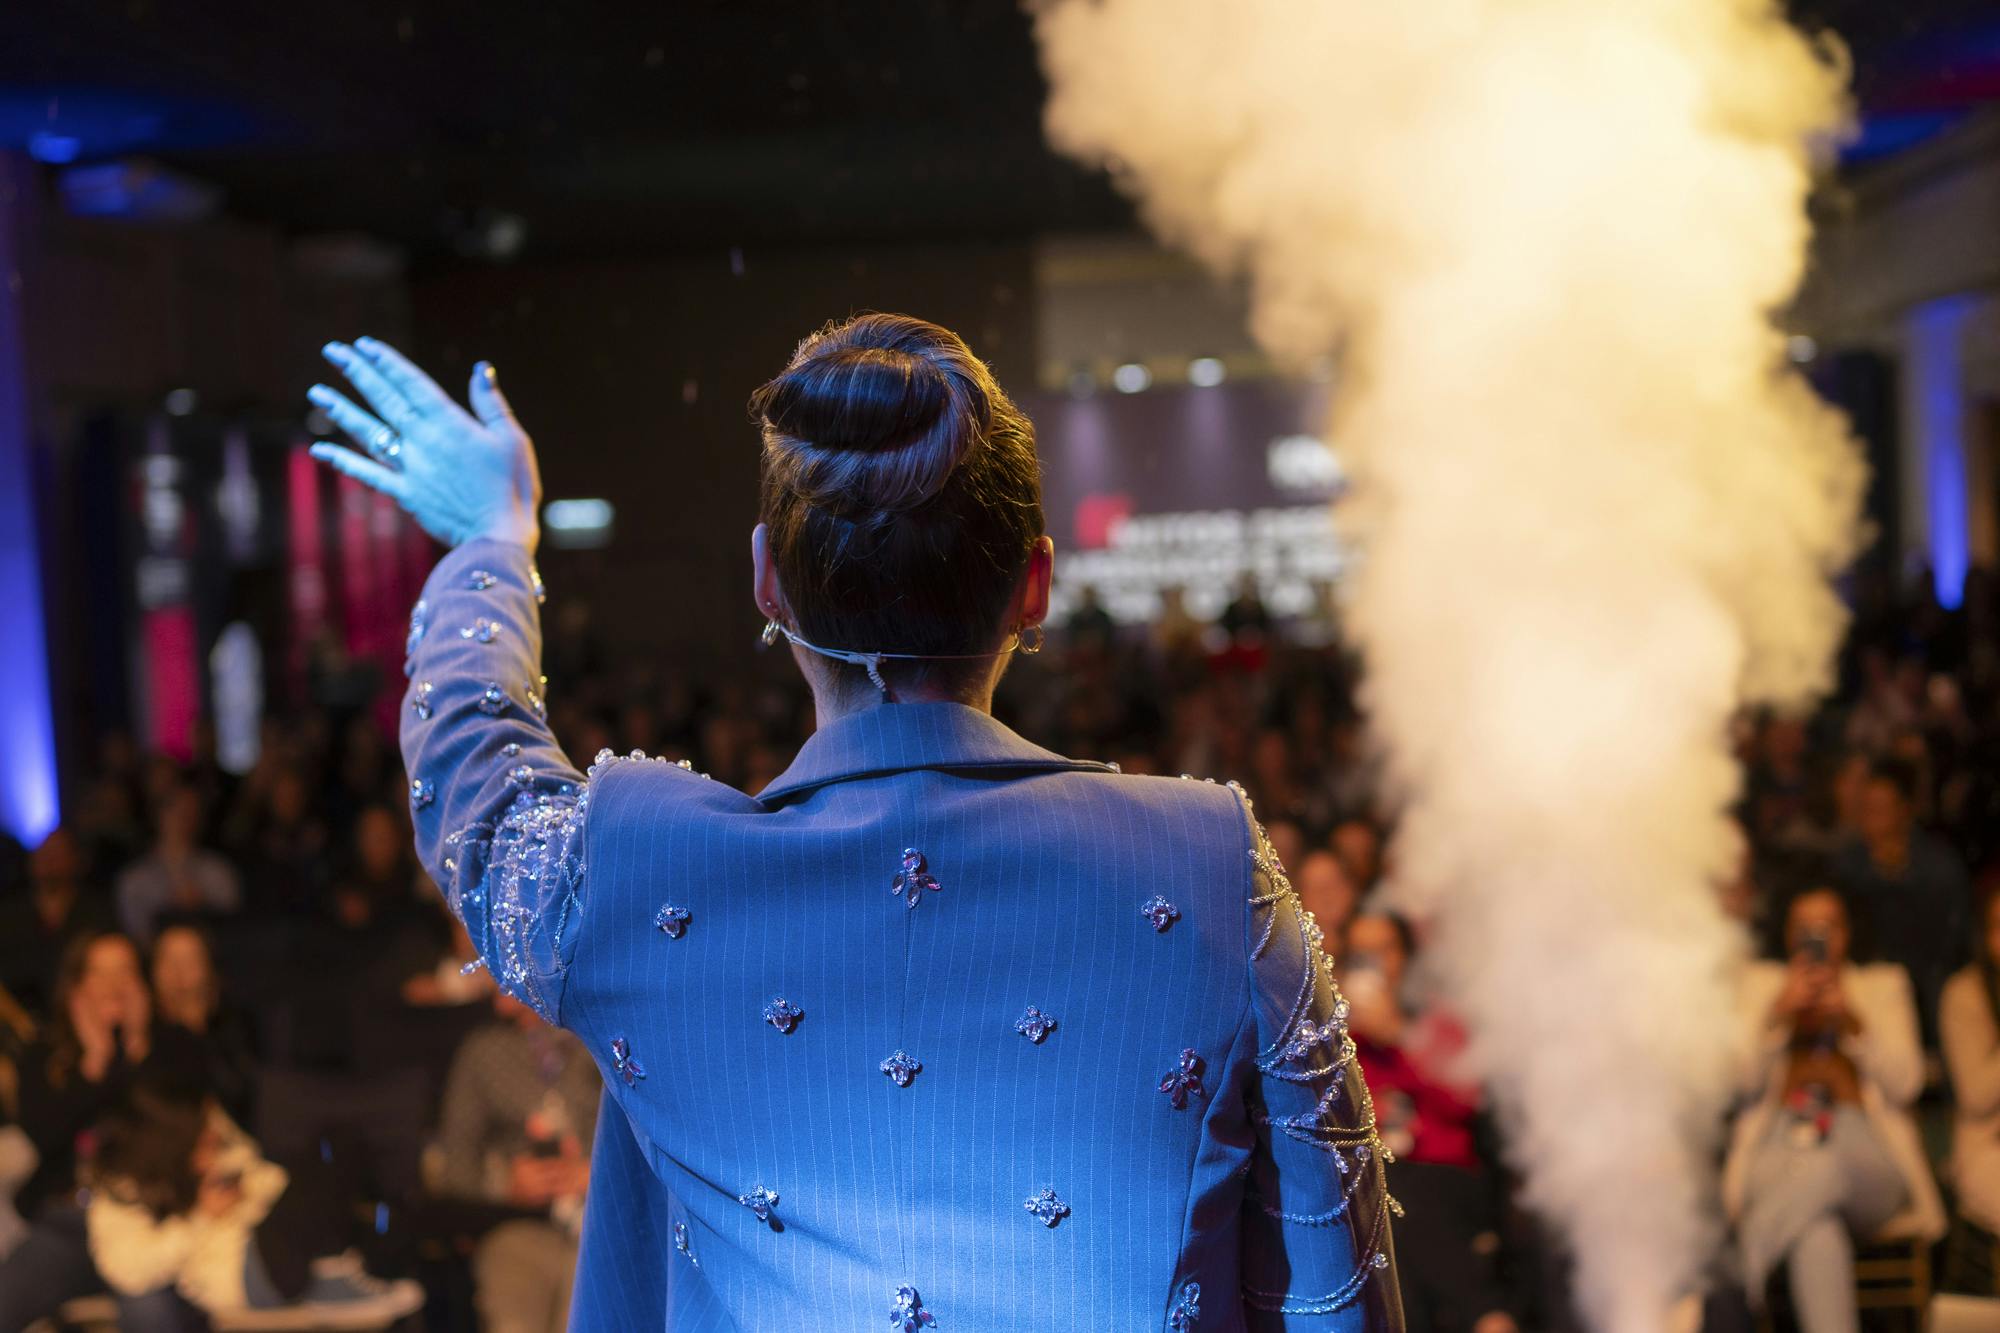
<point x="1043" y="864"/>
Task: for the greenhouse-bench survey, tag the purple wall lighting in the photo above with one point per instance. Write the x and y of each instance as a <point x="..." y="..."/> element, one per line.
<point x="28" y="807"/>
<point x="1937" y="386"/>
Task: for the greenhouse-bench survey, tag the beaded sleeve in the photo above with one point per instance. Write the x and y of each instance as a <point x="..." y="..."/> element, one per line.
<point x="498" y="809"/>
<point x="1316" y="1239"/>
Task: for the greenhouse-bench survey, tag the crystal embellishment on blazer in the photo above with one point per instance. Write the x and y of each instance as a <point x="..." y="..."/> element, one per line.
<point x="1034" y="1025"/>
<point x="909" y="1313"/>
<point x="681" y="1243"/>
<point x="901" y="1068"/>
<point x="420" y="616"/>
<point x="494" y="701"/>
<point x="422" y="792"/>
<point x="672" y="921"/>
<point x="538" y="703"/>
<point x="760" y="1201"/>
<point x="479" y="580"/>
<point x="1047" y="1207"/>
<point x="482" y="629"/>
<point x="511" y="749"/>
<point x="1309" y="1035"/>
<point x="914" y="878"/>
<point x="1160" y="912"/>
<point x="1182" y="1079"/>
<point x="783" y="1015"/>
<point x="535" y="581"/>
<point x="420" y="700"/>
<point x="1187" y="1308"/>
<point x="621" y="1060"/>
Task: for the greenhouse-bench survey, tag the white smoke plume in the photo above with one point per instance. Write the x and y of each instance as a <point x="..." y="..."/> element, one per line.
<point x="1598" y="510"/>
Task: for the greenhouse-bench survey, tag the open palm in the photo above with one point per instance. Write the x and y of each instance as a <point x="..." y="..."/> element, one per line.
<point x="461" y="475"/>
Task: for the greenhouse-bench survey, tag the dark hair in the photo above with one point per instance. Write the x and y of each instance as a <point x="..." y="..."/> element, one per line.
<point x="900" y="489"/>
<point x="1900" y="774"/>
<point x="65" y="1047"/>
<point x="1406" y="934"/>
<point x="194" y="926"/>
<point x="1860" y="940"/>
<point x="145" y="1146"/>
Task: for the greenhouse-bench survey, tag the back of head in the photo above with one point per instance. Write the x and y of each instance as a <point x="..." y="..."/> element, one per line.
<point x="900" y="489"/>
<point x="145" y="1144"/>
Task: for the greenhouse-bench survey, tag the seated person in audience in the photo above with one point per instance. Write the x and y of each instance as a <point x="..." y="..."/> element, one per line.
<point x="182" y="1198"/>
<point x="1287" y="839"/>
<point x="1328" y="892"/>
<point x="455" y="979"/>
<point x="282" y="841"/>
<point x="1446" y="1241"/>
<point x="17" y="1163"/>
<point x="102" y="1033"/>
<point x="1909" y="888"/>
<point x="101" y="1037"/>
<point x="1970" y="1022"/>
<point x="520" y="1108"/>
<point x="178" y="874"/>
<point x="353" y="970"/>
<point x="1826" y="1151"/>
<point x="35" y="928"/>
<point x="1358" y="844"/>
<point x="187" y="994"/>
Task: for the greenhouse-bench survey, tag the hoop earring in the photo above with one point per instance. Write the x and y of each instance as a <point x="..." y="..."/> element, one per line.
<point x="1027" y="646"/>
<point x="771" y="631"/>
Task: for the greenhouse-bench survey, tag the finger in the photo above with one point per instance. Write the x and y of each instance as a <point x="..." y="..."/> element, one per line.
<point x="417" y="388"/>
<point x="365" y="430"/>
<point x="389" y="404"/>
<point x="488" y="403"/>
<point x="364" y="470"/>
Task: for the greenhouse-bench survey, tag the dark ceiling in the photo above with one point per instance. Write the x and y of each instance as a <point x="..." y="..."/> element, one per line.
<point x="608" y="125"/>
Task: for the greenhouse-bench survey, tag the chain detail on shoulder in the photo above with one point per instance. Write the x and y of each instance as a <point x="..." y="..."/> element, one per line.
<point x="1317" y="1053"/>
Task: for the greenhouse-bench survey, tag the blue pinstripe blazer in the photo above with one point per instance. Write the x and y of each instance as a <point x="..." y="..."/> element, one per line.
<point x="942" y="1030"/>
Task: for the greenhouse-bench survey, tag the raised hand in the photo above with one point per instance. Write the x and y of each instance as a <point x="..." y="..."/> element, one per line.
<point x="96" y="1036"/>
<point x="461" y="475"/>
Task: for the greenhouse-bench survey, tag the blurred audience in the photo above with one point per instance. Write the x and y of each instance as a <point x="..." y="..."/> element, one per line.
<point x="102" y="1037"/>
<point x="187" y="993"/>
<point x="1970" y="1025"/>
<point x="1327" y="891"/>
<point x="1908" y="887"/>
<point x="1410" y="1050"/>
<point x="37" y="927"/>
<point x="520" y="1108"/>
<point x="101" y="1033"/>
<point x="289" y="935"/>
<point x="182" y="1199"/>
<point x="1826" y="1151"/>
<point x="178" y="874"/>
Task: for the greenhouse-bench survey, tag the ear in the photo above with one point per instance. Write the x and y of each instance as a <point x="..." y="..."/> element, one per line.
<point x="1031" y="599"/>
<point x="764" y="576"/>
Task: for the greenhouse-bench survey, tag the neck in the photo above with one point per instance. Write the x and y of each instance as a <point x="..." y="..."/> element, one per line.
<point x="841" y="690"/>
<point x="833" y="700"/>
<point x="1892" y="851"/>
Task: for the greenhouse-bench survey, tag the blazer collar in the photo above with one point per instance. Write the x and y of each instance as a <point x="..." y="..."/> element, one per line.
<point x="895" y="737"/>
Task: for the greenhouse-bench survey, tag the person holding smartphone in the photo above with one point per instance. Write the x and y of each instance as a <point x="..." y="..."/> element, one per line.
<point x="1826" y="1151"/>
<point x="1409" y="1052"/>
<point x="519" y="1116"/>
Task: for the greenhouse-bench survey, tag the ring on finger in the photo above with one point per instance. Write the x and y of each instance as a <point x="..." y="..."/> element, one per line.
<point x="385" y="444"/>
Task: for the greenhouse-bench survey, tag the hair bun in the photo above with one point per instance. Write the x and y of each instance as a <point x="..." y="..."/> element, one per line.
<point x="857" y="399"/>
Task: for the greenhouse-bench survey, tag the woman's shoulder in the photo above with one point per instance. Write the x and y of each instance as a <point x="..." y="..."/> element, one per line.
<point x="1965" y="990"/>
<point x="1880" y="977"/>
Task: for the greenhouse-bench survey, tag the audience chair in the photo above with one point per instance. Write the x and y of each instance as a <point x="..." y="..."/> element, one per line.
<point x="1892" y="1269"/>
